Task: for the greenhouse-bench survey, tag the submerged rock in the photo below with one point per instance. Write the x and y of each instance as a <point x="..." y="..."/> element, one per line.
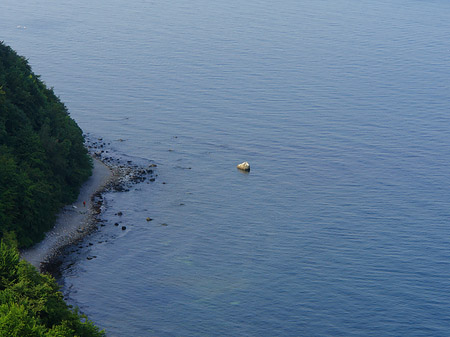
<point x="245" y="166"/>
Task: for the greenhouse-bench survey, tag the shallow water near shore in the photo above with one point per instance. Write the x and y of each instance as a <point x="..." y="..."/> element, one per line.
<point x="341" y="228"/>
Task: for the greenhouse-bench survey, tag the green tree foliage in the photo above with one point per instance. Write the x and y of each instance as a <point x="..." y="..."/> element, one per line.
<point x="31" y="304"/>
<point x="43" y="161"/>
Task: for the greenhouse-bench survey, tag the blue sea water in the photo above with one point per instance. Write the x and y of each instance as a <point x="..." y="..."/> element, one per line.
<point x="342" y="109"/>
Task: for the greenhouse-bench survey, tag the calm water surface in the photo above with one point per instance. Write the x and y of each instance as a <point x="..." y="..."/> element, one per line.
<point x="342" y="109"/>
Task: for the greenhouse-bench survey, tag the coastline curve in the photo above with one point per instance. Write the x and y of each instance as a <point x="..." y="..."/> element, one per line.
<point x="74" y="221"/>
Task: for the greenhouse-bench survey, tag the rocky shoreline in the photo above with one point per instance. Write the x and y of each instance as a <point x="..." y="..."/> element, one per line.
<point x="78" y="220"/>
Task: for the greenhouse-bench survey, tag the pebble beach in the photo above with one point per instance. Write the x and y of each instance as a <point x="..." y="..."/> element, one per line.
<point x="74" y="221"/>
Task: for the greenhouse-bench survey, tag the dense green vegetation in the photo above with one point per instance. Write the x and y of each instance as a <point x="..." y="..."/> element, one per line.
<point x="32" y="306"/>
<point x="43" y="161"/>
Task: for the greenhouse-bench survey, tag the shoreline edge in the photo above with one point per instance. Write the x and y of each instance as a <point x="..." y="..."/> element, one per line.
<point x="74" y="221"/>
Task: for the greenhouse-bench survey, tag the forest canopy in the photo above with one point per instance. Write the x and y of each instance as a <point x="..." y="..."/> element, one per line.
<point x="32" y="305"/>
<point x="43" y="160"/>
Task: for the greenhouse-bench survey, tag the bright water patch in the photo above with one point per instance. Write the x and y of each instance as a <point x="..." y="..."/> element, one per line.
<point x="341" y="108"/>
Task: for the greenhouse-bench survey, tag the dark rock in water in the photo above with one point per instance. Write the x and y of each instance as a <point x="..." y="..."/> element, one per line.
<point x="152" y="179"/>
<point x="124" y="227"/>
<point x="120" y="214"/>
<point x="116" y="224"/>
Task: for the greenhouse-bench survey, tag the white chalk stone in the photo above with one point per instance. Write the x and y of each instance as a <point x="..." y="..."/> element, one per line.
<point x="244" y="166"/>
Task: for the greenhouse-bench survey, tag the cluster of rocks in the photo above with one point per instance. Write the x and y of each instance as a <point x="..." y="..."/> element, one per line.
<point x="129" y="175"/>
<point x="126" y="173"/>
